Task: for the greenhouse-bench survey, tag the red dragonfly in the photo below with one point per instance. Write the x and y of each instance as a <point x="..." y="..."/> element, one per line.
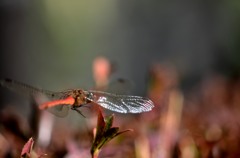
<point x="78" y="97"/>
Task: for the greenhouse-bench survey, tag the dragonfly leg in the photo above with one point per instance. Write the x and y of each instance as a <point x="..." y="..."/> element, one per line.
<point x="73" y="108"/>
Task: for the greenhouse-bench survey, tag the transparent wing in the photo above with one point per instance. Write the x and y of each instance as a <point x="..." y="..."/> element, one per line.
<point x="60" y="111"/>
<point x="122" y="103"/>
<point x="24" y="89"/>
<point x="119" y="86"/>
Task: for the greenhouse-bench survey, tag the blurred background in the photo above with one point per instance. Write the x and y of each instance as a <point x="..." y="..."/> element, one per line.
<point x="183" y="55"/>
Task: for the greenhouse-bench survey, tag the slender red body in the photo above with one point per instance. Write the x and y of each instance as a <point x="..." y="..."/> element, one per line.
<point x="68" y="101"/>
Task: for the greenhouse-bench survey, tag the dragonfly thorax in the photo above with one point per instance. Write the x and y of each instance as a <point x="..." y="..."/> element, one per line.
<point x="81" y="97"/>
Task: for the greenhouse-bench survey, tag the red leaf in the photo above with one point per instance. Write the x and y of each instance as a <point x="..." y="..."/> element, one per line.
<point x="27" y="148"/>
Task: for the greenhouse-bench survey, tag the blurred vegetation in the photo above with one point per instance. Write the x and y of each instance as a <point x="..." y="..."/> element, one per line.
<point x="185" y="56"/>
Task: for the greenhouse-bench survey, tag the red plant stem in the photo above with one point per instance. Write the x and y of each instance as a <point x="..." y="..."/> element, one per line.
<point x="95" y="154"/>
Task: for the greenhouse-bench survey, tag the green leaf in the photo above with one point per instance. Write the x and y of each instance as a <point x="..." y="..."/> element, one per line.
<point x="104" y="133"/>
<point x="110" y="134"/>
<point x="109" y="122"/>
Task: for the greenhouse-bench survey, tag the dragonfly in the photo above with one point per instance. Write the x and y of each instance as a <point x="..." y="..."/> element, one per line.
<point x="76" y="98"/>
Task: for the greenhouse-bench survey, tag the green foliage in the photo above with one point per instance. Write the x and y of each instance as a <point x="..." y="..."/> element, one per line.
<point x="104" y="133"/>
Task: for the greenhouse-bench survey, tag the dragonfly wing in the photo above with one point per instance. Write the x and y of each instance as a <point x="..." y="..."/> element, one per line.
<point x="60" y="110"/>
<point x="122" y="103"/>
<point x="25" y="89"/>
<point x="39" y="94"/>
<point x="119" y="86"/>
